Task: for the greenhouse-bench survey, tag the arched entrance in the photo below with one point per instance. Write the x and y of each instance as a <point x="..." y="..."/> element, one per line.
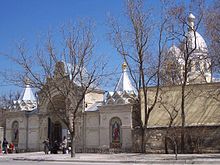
<point x="57" y="132"/>
<point x="115" y="133"/>
<point x="54" y="131"/>
<point x="55" y="125"/>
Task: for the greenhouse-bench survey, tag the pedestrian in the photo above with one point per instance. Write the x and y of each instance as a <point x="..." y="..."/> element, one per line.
<point x="46" y="146"/>
<point x="5" y="146"/>
<point x="64" y="145"/>
<point x="55" y="147"/>
<point x="11" y="148"/>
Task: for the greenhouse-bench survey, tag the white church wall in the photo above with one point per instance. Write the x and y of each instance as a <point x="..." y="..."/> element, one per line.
<point x="22" y="138"/>
<point x="123" y="112"/>
<point x="92" y="129"/>
<point x="33" y="132"/>
<point x="104" y="137"/>
<point x="92" y="137"/>
<point x="33" y="139"/>
<point x="92" y="119"/>
<point x="79" y="132"/>
<point x="126" y="137"/>
<point x="21" y="132"/>
<point x="91" y="98"/>
<point x="43" y="130"/>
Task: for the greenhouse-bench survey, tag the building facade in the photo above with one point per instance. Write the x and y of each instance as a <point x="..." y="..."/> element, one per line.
<point x="106" y="121"/>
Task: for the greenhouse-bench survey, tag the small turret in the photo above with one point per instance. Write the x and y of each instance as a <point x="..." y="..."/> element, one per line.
<point x="124" y="83"/>
<point x="27" y="100"/>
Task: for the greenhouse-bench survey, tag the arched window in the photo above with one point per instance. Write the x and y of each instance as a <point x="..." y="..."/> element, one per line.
<point x="15" y="132"/>
<point x="115" y="133"/>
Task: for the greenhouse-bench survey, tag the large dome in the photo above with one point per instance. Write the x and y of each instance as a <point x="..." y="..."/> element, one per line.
<point x="195" y="40"/>
<point x="199" y="64"/>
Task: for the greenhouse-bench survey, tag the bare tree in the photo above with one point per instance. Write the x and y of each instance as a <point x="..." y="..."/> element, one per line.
<point x="133" y="41"/>
<point x="7" y="100"/>
<point x="77" y="72"/>
<point x="172" y="107"/>
<point x="212" y="26"/>
<point x="185" y="34"/>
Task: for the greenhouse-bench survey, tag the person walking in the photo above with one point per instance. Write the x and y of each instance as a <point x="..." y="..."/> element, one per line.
<point x="64" y="145"/>
<point x="55" y="147"/>
<point x="5" y="146"/>
<point x="46" y="146"/>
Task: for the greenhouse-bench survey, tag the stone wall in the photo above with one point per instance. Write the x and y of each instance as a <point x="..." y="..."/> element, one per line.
<point x="92" y="138"/>
<point x="1" y="134"/>
<point x="202" y="122"/>
<point x="28" y="132"/>
<point x="198" y="139"/>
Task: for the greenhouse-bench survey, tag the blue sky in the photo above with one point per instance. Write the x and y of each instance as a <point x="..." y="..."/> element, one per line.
<point x="26" y="19"/>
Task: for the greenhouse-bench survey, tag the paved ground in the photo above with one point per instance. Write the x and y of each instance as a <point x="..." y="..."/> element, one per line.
<point x="117" y="158"/>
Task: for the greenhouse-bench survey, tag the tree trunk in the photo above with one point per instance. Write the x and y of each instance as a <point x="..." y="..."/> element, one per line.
<point x="183" y="118"/>
<point x="73" y="146"/>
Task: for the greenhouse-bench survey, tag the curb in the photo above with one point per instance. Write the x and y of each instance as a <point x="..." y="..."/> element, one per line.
<point x="109" y="161"/>
<point x="128" y="161"/>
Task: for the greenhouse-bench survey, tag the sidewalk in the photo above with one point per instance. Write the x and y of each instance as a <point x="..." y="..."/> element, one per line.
<point x="118" y="158"/>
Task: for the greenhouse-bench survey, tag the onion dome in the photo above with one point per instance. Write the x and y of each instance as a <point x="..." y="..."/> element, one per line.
<point x="27" y="101"/>
<point x="193" y="39"/>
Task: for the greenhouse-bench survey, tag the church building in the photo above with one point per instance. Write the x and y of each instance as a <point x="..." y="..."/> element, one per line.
<point x="106" y="120"/>
<point x="104" y="123"/>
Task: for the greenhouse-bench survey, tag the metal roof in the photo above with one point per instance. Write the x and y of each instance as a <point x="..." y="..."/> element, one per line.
<point x="124" y="83"/>
<point x="94" y="107"/>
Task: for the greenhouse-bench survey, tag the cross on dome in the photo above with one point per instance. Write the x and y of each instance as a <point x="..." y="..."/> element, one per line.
<point x="27" y="82"/>
<point x="124" y="66"/>
<point x="191" y="21"/>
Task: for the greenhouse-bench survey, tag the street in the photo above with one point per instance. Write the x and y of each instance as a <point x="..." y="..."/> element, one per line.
<point x="13" y="162"/>
<point x="39" y="158"/>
